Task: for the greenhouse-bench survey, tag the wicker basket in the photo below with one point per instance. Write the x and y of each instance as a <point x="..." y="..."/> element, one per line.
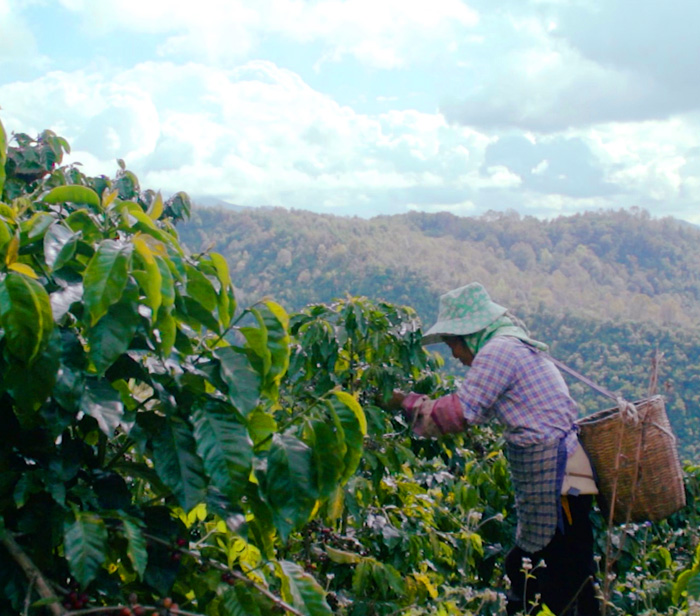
<point x="635" y="458"/>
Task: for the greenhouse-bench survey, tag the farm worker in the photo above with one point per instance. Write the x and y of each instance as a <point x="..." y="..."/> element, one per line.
<point x="511" y="381"/>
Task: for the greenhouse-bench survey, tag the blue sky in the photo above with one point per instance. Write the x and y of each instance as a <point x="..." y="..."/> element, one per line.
<point x="368" y="107"/>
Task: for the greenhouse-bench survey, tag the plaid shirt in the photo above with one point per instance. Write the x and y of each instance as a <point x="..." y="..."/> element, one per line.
<point x="513" y="383"/>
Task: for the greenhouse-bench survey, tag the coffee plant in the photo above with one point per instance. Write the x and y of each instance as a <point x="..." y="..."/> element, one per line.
<point x="147" y="462"/>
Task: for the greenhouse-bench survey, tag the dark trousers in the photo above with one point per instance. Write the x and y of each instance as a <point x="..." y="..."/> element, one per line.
<point x="565" y="584"/>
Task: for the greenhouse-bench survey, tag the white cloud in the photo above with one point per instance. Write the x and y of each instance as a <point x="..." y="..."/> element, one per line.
<point x="541" y="83"/>
<point x="499" y="176"/>
<point x="254" y="135"/>
<point x="387" y="34"/>
<point x="384" y="34"/>
<point x="617" y="61"/>
<point x="260" y="135"/>
<point x="543" y="116"/>
<point x="19" y="45"/>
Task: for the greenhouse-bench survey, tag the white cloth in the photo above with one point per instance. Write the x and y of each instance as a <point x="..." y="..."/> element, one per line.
<point x="578" y="476"/>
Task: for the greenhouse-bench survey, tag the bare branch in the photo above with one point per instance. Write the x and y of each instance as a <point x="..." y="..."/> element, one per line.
<point x="31" y="571"/>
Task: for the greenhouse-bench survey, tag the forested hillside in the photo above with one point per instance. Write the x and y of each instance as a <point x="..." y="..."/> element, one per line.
<point x="606" y="290"/>
<point x="608" y="265"/>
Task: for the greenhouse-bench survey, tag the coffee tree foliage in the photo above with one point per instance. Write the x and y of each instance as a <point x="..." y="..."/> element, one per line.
<point x="147" y="452"/>
<point x="166" y="450"/>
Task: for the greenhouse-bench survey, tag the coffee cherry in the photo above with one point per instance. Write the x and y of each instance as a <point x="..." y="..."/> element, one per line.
<point x="167" y="603"/>
<point x="181" y="542"/>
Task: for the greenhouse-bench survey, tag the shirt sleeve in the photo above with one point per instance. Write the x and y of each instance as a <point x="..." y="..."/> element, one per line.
<point x="491" y="375"/>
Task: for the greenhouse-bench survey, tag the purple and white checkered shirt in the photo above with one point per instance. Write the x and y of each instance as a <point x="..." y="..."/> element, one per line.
<point x="522" y="389"/>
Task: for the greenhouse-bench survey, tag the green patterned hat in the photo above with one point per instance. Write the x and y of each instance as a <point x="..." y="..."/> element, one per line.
<point x="463" y="311"/>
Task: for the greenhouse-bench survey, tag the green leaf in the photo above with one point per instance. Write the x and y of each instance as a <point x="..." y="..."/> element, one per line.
<point x="59" y="245"/>
<point x="35" y="227"/>
<point x="261" y="525"/>
<point x="226" y="305"/>
<point x="178" y="206"/>
<point x="31" y="385"/>
<point x="348" y="414"/>
<point x="289" y="482"/>
<point x="156" y="208"/>
<point x="106" y="276"/>
<point x="178" y="464"/>
<point x="276" y="323"/>
<point x="681" y="585"/>
<point x="6" y="236"/>
<point x="167" y="288"/>
<point x="693" y="586"/>
<point x="242" y="381"/>
<point x="112" y="335"/>
<point x="136" y="550"/>
<point x="84" y="222"/>
<point x="239" y="601"/>
<point x="256" y="345"/>
<point x="195" y="315"/>
<point x="150" y="279"/>
<point x="225" y="447"/>
<point x="167" y="330"/>
<point x="200" y="289"/>
<point x="85" y="544"/>
<point x="25" y="315"/>
<point x="301" y="590"/>
<point x="342" y="557"/>
<point x="329" y="451"/>
<point x="261" y="427"/>
<point x="73" y="194"/>
<point x="101" y="401"/>
<point x="3" y="157"/>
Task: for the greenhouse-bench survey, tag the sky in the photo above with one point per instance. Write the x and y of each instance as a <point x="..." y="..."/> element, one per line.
<point x="368" y="107"/>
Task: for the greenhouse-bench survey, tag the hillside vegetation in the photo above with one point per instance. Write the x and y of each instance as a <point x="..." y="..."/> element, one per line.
<point x="609" y="265"/>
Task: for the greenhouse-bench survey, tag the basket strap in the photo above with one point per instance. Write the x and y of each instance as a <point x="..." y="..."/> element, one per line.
<point x="627" y="410"/>
<point x="584" y="379"/>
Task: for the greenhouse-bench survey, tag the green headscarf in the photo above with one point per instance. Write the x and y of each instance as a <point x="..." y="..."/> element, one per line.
<point x="502" y="326"/>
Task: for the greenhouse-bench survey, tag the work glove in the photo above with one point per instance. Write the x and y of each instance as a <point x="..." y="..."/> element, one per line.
<point x="432" y="418"/>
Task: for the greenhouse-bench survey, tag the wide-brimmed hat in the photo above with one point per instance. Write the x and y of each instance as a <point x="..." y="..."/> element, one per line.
<point x="463" y="311"/>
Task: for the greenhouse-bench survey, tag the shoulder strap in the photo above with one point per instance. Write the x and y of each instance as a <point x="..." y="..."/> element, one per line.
<point x="627" y="409"/>
<point x="562" y="366"/>
<point x="599" y="388"/>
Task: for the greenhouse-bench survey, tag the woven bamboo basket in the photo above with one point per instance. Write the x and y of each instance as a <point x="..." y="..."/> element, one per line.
<point x="636" y="461"/>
